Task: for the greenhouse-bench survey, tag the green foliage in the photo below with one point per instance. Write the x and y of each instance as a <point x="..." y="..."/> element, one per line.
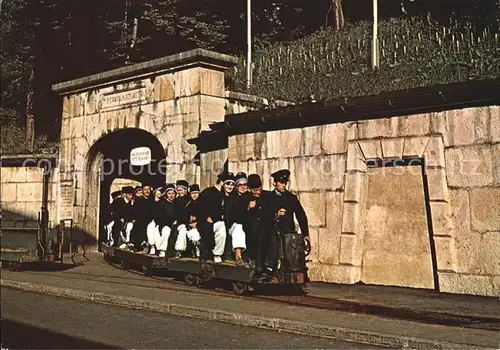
<point x="414" y="52"/>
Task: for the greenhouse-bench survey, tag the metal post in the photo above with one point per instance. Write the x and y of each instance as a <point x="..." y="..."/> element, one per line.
<point x="249" y="43"/>
<point x="375" y="61"/>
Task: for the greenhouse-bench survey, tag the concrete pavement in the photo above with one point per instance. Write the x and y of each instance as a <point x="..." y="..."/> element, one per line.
<point x="98" y="282"/>
<point x="64" y="324"/>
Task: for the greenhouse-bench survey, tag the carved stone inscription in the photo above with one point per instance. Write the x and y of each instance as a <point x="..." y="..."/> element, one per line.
<point x="123" y="98"/>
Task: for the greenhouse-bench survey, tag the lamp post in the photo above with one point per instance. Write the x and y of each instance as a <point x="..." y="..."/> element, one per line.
<point x="249" y="43"/>
<point x="375" y="56"/>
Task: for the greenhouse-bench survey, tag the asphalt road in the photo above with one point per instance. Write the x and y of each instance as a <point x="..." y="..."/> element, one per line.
<point x="32" y="320"/>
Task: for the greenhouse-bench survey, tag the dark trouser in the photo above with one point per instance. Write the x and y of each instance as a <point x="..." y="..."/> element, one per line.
<point x="139" y="234"/>
<point x="252" y="230"/>
<point x="115" y="232"/>
<point x="207" y="242"/>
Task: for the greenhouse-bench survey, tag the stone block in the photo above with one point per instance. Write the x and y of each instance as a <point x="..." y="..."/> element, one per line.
<point x="334" y="273"/>
<point x="370" y="129"/>
<point x="212" y="82"/>
<point x="76" y="127"/>
<point x="329" y="246"/>
<point x="485" y="213"/>
<point x="172" y="140"/>
<point x="316" y="173"/>
<point x="314" y="204"/>
<point x="495" y="280"/>
<point x="414" y="125"/>
<point x="31" y="210"/>
<point x="334" y="210"/>
<point x="189" y="130"/>
<point x="496" y="164"/>
<point x="233" y="146"/>
<point x="12" y="174"/>
<point x="355" y="158"/>
<point x="163" y="88"/>
<point x="438" y="188"/>
<point x="371" y="149"/>
<point x="34" y="174"/>
<point x="415" y="146"/>
<point x="434" y="153"/>
<point x="311" y="141"/>
<point x="460" y="209"/>
<point x="333" y="138"/>
<point x="441" y="219"/>
<point x="27" y="192"/>
<point x="489" y="257"/>
<point x="446" y="253"/>
<point x="14" y="210"/>
<point x="351" y="250"/>
<point x="495" y="123"/>
<point x="438" y="123"/>
<point x="392" y="148"/>
<point x="465" y="284"/>
<point x="314" y="237"/>
<point x="186" y="82"/>
<point x="211" y="110"/>
<point x="284" y="143"/>
<point x="353" y="186"/>
<point x="468" y="126"/>
<point x="351" y="218"/>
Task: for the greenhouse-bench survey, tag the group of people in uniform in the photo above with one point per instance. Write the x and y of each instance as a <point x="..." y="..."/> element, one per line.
<point x="235" y="219"/>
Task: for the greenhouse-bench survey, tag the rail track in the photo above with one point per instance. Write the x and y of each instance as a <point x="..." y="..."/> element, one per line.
<point x="175" y="283"/>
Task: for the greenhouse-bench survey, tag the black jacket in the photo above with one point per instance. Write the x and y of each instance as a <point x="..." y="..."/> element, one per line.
<point x="181" y="213"/>
<point x="193" y="208"/>
<point x="122" y="210"/>
<point x="164" y="213"/>
<point x="210" y="204"/>
<point x="291" y="203"/>
<point x="142" y="210"/>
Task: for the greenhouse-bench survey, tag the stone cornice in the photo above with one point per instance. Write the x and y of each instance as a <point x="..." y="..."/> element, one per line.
<point x="183" y="60"/>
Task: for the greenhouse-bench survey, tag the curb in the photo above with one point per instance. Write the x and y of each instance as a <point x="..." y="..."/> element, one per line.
<point x="276" y="324"/>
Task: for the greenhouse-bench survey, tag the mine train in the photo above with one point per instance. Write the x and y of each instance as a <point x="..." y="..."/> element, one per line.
<point x="291" y="272"/>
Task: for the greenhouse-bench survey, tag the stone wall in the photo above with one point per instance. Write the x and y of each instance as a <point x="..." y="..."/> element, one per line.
<point x="330" y="174"/>
<point x="21" y="194"/>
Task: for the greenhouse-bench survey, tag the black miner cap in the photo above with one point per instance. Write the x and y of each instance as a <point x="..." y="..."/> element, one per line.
<point x="282" y="176"/>
<point x="194" y="188"/>
<point x="227" y="176"/>
<point x="169" y="187"/>
<point x="254" y="181"/>
<point x="182" y="183"/>
<point x="127" y="189"/>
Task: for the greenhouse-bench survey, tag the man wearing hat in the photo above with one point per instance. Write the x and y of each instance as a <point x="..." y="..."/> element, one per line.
<point x="181" y="187"/>
<point x="192" y="208"/>
<point x="142" y="209"/>
<point x="234" y="219"/>
<point x="123" y="215"/>
<point x="109" y="226"/>
<point x="163" y="213"/>
<point x="285" y="207"/>
<point x="214" y="208"/>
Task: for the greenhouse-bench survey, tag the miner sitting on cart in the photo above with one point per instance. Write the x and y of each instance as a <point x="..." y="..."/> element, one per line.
<point x="123" y="218"/>
<point x="284" y="206"/>
<point x="110" y="223"/>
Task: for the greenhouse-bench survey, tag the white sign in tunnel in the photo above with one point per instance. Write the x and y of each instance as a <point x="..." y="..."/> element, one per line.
<point x="140" y="156"/>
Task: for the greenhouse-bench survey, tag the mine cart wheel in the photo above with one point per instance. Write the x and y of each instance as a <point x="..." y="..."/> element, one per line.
<point x="124" y="265"/>
<point x="190" y="279"/>
<point x="240" y="288"/>
<point x="147" y="271"/>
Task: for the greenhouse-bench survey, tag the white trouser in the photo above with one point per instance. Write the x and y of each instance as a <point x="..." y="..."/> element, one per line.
<point x="109" y="230"/>
<point x="158" y="239"/>
<point x="238" y="236"/>
<point x="181" y="242"/>
<point x="219" y="237"/>
<point x="194" y="236"/>
<point x="128" y="229"/>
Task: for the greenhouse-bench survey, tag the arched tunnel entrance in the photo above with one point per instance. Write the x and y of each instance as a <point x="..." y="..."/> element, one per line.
<point x="110" y="158"/>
